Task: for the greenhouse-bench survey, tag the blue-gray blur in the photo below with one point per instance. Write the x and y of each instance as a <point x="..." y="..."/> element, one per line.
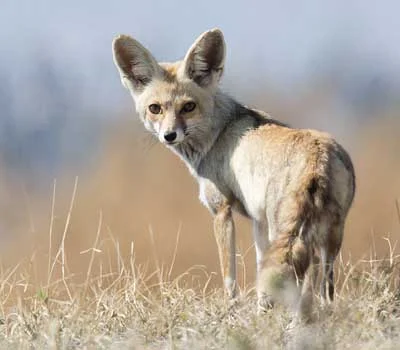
<point x="58" y="83"/>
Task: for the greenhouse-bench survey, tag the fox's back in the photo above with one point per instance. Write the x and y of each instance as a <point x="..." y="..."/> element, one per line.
<point x="260" y="161"/>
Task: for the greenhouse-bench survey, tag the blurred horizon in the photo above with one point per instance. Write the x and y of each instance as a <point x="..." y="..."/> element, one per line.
<point x="58" y="81"/>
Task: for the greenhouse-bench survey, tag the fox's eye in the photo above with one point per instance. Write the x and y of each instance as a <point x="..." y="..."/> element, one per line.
<point x="155" y="108"/>
<point x="188" y="107"/>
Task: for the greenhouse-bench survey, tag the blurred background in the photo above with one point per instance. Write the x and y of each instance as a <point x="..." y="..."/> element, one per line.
<point x="64" y="114"/>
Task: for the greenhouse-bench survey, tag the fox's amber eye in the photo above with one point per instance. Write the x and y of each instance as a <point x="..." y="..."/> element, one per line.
<point x="155" y="108"/>
<point x="188" y="107"/>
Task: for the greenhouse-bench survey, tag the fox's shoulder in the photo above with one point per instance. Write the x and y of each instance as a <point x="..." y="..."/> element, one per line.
<point x="266" y="123"/>
<point x="261" y="117"/>
<point x="275" y="131"/>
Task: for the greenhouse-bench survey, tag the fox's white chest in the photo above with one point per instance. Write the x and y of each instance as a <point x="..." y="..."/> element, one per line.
<point x="210" y="195"/>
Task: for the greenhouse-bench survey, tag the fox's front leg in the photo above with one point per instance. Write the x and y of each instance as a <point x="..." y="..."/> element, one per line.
<point x="224" y="230"/>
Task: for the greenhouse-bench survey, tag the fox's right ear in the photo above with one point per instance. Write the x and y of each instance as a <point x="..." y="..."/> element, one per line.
<point x="135" y="63"/>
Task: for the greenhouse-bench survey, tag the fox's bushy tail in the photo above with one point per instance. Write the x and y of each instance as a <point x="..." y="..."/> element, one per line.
<point x="290" y="255"/>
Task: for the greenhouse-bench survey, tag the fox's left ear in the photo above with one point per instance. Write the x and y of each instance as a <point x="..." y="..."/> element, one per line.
<point x="204" y="62"/>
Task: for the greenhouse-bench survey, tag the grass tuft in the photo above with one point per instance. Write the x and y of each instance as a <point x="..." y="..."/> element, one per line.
<point x="125" y="305"/>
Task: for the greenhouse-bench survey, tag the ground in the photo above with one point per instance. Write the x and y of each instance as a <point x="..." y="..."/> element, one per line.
<point x="131" y="308"/>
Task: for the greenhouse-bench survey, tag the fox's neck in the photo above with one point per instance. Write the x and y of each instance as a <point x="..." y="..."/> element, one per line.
<point x="196" y="147"/>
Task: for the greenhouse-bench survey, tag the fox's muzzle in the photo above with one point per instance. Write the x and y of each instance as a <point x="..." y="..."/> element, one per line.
<point x="170" y="137"/>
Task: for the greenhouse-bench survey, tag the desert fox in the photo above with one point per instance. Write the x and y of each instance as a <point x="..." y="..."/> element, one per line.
<point x="295" y="185"/>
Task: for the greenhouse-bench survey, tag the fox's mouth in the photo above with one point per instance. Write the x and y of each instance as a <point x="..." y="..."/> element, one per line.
<point x="173" y="143"/>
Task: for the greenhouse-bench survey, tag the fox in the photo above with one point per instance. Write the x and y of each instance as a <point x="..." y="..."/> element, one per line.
<point x="295" y="185"/>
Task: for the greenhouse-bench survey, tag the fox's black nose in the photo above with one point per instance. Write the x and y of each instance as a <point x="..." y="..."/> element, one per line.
<point x="170" y="136"/>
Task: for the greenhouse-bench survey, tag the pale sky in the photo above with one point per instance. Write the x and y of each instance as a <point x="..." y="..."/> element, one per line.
<point x="282" y="42"/>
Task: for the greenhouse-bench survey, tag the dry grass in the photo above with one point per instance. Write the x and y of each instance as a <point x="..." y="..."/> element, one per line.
<point x="102" y="278"/>
<point x="125" y="306"/>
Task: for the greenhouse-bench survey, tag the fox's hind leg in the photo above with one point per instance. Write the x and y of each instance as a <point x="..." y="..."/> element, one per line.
<point x="329" y="253"/>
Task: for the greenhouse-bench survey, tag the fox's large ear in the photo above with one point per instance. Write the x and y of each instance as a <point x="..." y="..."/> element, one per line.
<point x="135" y="63"/>
<point x="205" y="60"/>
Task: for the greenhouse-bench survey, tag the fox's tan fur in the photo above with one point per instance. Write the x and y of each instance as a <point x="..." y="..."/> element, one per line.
<point x="295" y="185"/>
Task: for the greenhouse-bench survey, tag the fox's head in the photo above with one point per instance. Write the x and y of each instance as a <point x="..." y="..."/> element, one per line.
<point x="174" y="100"/>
